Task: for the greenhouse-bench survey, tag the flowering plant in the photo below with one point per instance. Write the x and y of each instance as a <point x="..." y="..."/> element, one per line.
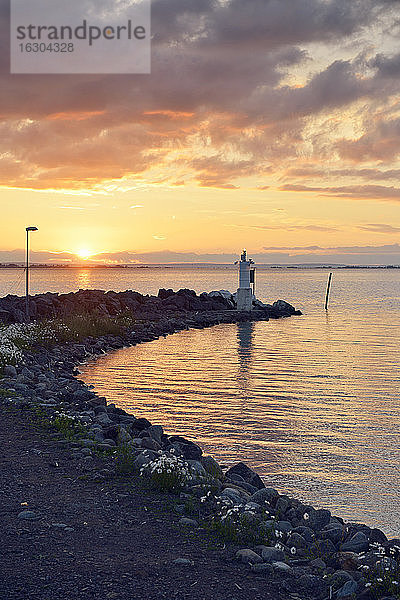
<point x="167" y="472"/>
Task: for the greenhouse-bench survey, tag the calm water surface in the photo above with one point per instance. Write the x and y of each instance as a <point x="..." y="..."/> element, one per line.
<point x="311" y="402"/>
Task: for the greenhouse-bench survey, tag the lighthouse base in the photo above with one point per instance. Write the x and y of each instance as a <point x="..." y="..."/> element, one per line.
<point x="244" y="299"/>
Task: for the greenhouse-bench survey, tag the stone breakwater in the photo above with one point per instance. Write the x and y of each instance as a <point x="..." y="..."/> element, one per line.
<point x="311" y="553"/>
<point x="51" y="305"/>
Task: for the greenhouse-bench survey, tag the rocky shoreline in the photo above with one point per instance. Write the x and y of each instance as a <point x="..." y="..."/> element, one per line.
<point x="304" y="552"/>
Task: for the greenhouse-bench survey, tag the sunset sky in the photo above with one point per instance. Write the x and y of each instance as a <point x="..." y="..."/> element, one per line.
<point x="267" y="124"/>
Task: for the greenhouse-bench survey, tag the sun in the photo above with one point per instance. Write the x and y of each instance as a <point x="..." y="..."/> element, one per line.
<point x="84" y="253"/>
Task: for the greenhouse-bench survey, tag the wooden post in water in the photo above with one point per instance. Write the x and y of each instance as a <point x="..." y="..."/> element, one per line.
<point x="328" y="289"/>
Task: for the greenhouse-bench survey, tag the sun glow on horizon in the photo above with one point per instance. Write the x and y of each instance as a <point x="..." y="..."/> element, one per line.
<point x="84" y="253"/>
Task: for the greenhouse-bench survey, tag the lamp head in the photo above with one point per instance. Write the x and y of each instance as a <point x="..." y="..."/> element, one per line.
<point x="31" y="228"/>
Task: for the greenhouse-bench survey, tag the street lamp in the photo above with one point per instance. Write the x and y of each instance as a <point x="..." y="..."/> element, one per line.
<point x="27" y="229"/>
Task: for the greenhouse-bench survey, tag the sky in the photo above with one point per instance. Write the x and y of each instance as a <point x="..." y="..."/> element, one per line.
<point x="267" y="124"/>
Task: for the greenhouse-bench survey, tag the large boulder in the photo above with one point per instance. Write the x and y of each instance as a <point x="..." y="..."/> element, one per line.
<point x="248" y="475"/>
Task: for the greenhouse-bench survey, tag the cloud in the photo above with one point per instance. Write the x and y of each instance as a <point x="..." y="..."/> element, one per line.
<point x="307" y="172"/>
<point x="385" y="249"/>
<point x="218" y="105"/>
<point x="361" y="192"/>
<point x="288" y="227"/>
<point x="364" y="255"/>
<point x="379" y="143"/>
<point x="379" y="228"/>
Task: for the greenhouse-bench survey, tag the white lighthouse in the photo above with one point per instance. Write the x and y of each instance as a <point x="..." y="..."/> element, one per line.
<point x="246" y="290"/>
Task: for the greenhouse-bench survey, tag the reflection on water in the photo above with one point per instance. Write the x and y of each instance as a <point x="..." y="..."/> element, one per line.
<point x="244" y="337"/>
<point x="84" y="279"/>
<point x="311" y="402"/>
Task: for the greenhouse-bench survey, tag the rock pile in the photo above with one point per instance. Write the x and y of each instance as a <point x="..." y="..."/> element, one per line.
<point x="51" y="305"/>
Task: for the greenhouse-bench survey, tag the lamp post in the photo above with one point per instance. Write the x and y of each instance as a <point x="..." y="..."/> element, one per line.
<point x="27" y="229"/>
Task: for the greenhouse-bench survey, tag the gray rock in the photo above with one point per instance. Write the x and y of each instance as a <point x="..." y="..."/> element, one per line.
<point x="109" y="442"/>
<point x="103" y="419"/>
<point x="184" y="562"/>
<point x="271" y="554"/>
<point x="144" y="459"/>
<point x="305" y="532"/>
<point x="262" y="568"/>
<point x="248" y="474"/>
<point x="150" y="444"/>
<point x="265" y="496"/>
<point x="318" y="564"/>
<point x="339" y="578"/>
<point x="358" y="543"/>
<point x="318" y="519"/>
<point x="282" y="505"/>
<point x="247" y="556"/>
<point x="211" y="466"/>
<point x="59" y="525"/>
<point x="233" y="495"/>
<point x="10" y="371"/>
<point x="123" y="435"/>
<point x="281" y="567"/>
<point x="188" y="522"/>
<point x="284" y="526"/>
<point x="296" y="540"/>
<point x="28" y="515"/>
<point x="155" y="432"/>
<point x="349" y="588"/>
<point x="197" y="469"/>
<point x="335" y="534"/>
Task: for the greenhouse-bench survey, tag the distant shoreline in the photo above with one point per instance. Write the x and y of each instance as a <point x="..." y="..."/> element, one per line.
<point x="192" y="266"/>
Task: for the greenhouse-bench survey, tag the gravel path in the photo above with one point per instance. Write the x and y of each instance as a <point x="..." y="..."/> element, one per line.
<point x="100" y="539"/>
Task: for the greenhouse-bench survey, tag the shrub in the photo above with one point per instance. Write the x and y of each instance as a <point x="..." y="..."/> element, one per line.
<point x="67" y="425"/>
<point x="124" y="459"/>
<point x="238" y="526"/>
<point x="167" y="473"/>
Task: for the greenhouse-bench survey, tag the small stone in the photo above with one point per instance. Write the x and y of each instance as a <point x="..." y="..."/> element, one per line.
<point x="27" y="515"/>
<point x="281" y="567"/>
<point x="318" y="563"/>
<point x="188" y="522"/>
<point x="270" y="554"/>
<point x="247" y="556"/>
<point x="183" y="562"/>
<point x="262" y="568"/>
<point x="59" y="525"/>
<point x="10" y="371"/>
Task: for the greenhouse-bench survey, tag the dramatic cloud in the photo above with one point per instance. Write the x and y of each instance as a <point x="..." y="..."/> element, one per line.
<point x="235" y="92"/>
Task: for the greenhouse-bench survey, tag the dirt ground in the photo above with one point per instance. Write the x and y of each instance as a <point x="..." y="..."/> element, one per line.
<point x="96" y="539"/>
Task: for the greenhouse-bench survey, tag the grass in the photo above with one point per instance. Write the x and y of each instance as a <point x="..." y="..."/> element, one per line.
<point x="17" y="338"/>
<point x="124" y="459"/>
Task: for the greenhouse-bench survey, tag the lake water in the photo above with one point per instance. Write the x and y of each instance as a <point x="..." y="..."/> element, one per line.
<point x="311" y="402"/>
